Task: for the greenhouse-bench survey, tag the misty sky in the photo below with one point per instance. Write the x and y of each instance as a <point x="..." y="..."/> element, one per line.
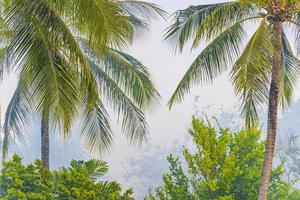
<point x="165" y="127"/>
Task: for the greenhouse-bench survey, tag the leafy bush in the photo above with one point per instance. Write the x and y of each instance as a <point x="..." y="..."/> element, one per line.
<point x="223" y="166"/>
<point x="79" y="181"/>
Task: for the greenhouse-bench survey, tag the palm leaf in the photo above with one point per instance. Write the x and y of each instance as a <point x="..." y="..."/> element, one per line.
<point x="139" y="14"/>
<point x="251" y="73"/>
<point x="126" y="85"/>
<point x="94" y="168"/>
<point x="133" y="122"/>
<point x="223" y="17"/>
<point x="290" y="73"/>
<point x="186" y="23"/>
<point x="96" y="132"/>
<point x="4" y="63"/>
<point x="100" y="22"/>
<point x="131" y="76"/>
<point x="212" y="61"/>
<point x="141" y="9"/>
<point x="16" y="119"/>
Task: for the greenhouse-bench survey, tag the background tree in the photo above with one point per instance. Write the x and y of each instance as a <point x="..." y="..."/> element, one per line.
<point x="222" y="165"/>
<point x="264" y="70"/>
<point x="69" y="64"/>
<point x="288" y="150"/>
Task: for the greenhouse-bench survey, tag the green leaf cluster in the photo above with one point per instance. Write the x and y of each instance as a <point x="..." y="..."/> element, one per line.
<point x="79" y="181"/>
<point x="222" y="165"/>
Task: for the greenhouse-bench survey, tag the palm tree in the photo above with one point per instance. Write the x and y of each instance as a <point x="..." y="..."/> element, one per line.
<point x="69" y="64"/>
<point x="264" y="66"/>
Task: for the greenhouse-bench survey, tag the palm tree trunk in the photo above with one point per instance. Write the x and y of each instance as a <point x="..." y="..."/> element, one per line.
<point x="272" y="114"/>
<point x="45" y="139"/>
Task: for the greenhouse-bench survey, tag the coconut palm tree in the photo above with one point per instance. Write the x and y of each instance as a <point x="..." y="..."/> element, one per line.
<point x="264" y="68"/>
<point x="68" y="60"/>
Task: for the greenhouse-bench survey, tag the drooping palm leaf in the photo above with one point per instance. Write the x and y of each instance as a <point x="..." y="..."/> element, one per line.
<point x="5" y="35"/>
<point x="133" y="119"/>
<point x="251" y="73"/>
<point x="223" y="17"/>
<point x="290" y="73"/>
<point x="140" y="13"/>
<point x="4" y="66"/>
<point x="96" y="132"/>
<point x="141" y="9"/>
<point x="100" y="22"/>
<point x="212" y="61"/>
<point x="16" y="119"/>
<point x="119" y="77"/>
<point x="186" y="23"/>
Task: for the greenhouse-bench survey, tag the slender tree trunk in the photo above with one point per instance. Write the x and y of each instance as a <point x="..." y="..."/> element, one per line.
<point x="272" y="114"/>
<point x="45" y="139"/>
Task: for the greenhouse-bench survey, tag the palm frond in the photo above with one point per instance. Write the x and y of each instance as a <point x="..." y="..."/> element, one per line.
<point x="4" y="66"/>
<point x="290" y="73"/>
<point x="260" y="3"/>
<point x="295" y="27"/>
<point x="101" y="23"/>
<point x="94" y="168"/>
<point x="133" y="119"/>
<point x="131" y="76"/>
<point x="16" y="119"/>
<point x="212" y="61"/>
<point x="251" y="73"/>
<point x="141" y="9"/>
<point x="5" y="35"/>
<point x="186" y="23"/>
<point x="206" y="22"/>
<point x="139" y="14"/>
<point x="96" y="132"/>
<point x="126" y="85"/>
<point x="223" y="17"/>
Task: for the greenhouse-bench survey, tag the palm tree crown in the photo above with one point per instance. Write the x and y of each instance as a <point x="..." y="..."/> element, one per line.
<point x="68" y="59"/>
<point x="223" y="27"/>
<point x="264" y="69"/>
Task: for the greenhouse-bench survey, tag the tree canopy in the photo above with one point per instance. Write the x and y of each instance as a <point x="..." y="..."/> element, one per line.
<point x="221" y="165"/>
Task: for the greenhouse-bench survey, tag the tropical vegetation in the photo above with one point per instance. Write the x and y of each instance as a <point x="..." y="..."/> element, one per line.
<point x="263" y="67"/>
<point x="69" y="62"/>
<point x="221" y="165"/>
<point x="79" y="181"/>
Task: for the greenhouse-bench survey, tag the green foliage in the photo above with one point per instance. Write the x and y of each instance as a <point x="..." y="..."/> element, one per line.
<point x="21" y="182"/>
<point x="221" y="165"/>
<point x="79" y="181"/>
